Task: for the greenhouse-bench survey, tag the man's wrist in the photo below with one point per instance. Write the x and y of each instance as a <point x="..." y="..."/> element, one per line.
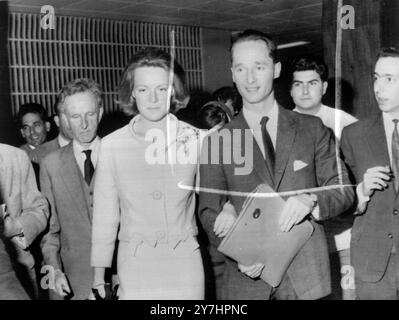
<point x="58" y="273"/>
<point x="361" y="194"/>
<point x="13" y="227"/>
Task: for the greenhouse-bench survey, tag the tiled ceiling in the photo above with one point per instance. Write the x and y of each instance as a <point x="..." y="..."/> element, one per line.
<point x="287" y="20"/>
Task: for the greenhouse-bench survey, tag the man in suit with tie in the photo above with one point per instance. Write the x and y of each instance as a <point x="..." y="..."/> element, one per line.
<point x="23" y="215"/>
<point x="371" y="150"/>
<point x="290" y="152"/>
<point x="66" y="178"/>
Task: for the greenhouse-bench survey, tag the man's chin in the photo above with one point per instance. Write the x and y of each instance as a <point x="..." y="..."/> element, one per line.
<point x="86" y="140"/>
<point x="35" y="143"/>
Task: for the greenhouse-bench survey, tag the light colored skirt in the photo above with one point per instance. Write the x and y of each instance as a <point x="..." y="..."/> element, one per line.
<point x="161" y="272"/>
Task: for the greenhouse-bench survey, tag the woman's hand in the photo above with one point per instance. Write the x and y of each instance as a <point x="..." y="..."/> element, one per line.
<point x="97" y="292"/>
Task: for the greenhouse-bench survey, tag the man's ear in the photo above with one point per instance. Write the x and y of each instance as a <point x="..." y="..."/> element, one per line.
<point x="65" y="119"/>
<point x="57" y="120"/>
<point x="47" y="125"/>
<point x="22" y="133"/>
<point x="277" y="70"/>
<point x="325" y="86"/>
<point x="101" y="111"/>
<point x="232" y="74"/>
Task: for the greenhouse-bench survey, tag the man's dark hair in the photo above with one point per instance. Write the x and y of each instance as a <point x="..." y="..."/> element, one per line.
<point x="388" y="52"/>
<point x="211" y="114"/>
<point x="309" y="63"/>
<point x="223" y="94"/>
<point x="255" y="35"/>
<point x="31" y="107"/>
<point x="226" y="93"/>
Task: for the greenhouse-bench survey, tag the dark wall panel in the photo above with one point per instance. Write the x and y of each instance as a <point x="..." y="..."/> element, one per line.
<point x="359" y="49"/>
<point x="390" y="23"/>
<point x="8" y="133"/>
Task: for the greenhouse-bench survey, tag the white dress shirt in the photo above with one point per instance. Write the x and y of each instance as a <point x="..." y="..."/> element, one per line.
<point x="254" y="118"/>
<point x="81" y="157"/>
<point x="332" y="118"/>
<point x="62" y="141"/>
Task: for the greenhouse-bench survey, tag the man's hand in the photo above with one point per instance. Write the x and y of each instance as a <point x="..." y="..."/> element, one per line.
<point x="253" y="271"/>
<point x="225" y="220"/>
<point x="61" y="284"/>
<point x="10" y="227"/>
<point x="375" y="179"/>
<point x="295" y="210"/>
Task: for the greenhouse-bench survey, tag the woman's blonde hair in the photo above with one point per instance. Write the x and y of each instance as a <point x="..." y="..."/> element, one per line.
<point x="151" y="57"/>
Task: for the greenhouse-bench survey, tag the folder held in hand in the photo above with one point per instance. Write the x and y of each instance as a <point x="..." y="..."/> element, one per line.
<point x="256" y="237"/>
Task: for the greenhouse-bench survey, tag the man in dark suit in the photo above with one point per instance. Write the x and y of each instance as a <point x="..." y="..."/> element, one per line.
<point x="289" y="152"/>
<point x="371" y="150"/>
<point x="66" y="178"/>
<point x="24" y="219"/>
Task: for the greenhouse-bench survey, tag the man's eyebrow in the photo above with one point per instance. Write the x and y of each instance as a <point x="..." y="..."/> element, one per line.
<point x="302" y="81"/>
<point x="386" y="74"/>
<point x="237" y="65"/>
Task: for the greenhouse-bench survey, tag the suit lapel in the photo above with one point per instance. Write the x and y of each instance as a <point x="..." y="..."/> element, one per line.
<point x="377" y="144"/>
<point x="286" y="132"/>
<point x="73" y="178"/>
<point x="259" y="163"/>
<point x="377" y="141"/>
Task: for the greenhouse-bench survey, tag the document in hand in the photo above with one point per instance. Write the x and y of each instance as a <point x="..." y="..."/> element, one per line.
<point x="256" y="237"/>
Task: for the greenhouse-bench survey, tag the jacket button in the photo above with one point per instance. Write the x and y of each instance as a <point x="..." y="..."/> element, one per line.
<point x="395" y="212"/>
<point x="161" y="234"/>
<point x="390" y="235"/>
<point x="157" y="195"/>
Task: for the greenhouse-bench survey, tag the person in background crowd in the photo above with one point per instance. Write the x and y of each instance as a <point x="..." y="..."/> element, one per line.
<point x="213" y="115"/>
<point x="67" y="181"/>
<point x="34" y="127"/>
<point x="291" y="152"/>
<point x="231" y="98"/>
<point x="371" y="150"/>
<point x="309" y="84"/>
<point x="23" y="216"/>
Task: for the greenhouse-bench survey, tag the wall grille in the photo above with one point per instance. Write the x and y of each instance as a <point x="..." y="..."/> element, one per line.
<point x="43" y="60"/>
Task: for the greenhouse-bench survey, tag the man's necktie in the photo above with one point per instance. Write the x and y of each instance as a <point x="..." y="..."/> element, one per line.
<point x="88" y="167"/>
<point x="395" y="154"/>
<point x="270" y="157"/>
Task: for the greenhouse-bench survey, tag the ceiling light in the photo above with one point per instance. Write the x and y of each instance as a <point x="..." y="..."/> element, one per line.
<point x="292" y="44"/>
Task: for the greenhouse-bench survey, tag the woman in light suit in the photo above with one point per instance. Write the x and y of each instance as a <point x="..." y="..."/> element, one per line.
<point x="141" y="170"/>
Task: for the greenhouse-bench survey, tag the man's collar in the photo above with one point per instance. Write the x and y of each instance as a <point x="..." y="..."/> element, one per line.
<point x="254" y="115"/>
<point x="62" y="141"/>
<point x="322" y="106"/>
<point x="79" y="148"/>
